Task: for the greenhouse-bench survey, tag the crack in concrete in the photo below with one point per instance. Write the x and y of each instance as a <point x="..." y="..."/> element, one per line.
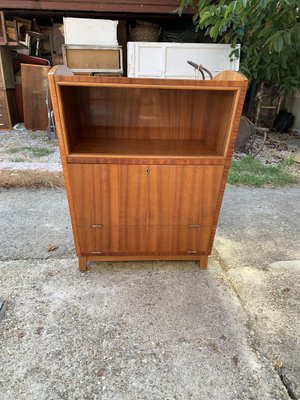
<point x="2" y="308"/>
<point x="286" y="382"/>
<point x="277" y="368"/>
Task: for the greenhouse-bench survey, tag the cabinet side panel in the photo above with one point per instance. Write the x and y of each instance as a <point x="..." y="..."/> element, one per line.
<point x="69" y="107"/>
<point x="58" y="124"/>
<point x="233" y="129"/>
<point x="217" y="122"/>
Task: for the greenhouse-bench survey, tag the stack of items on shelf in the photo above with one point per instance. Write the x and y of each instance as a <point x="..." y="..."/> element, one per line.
<point x="144" y="32"/>
<point x="26" y="52"/>
<point x="91" y="47"/>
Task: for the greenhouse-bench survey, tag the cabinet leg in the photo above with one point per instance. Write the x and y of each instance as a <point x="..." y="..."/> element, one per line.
<point x="203" y="262"/>
<point x="82" y="263"/>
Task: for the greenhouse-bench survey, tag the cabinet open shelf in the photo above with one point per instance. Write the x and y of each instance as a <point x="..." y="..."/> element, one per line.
<point x="141" y="148"/>
<point x="144" y="122"/>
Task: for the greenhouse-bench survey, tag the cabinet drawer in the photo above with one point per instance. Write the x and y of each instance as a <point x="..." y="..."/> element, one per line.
<point x="143" y="239"/>
<point x="154" y="195"/>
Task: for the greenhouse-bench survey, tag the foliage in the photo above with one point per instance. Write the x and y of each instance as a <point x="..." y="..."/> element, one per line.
<point x="268" y="31"/>
<point x="251" y="172"/>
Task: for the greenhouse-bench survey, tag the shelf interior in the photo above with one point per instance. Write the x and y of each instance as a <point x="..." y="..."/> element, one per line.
<point x="145" y="122"/>
<point x="142" y="148"/>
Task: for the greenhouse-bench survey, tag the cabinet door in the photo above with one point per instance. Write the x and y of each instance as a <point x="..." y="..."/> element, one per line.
<point x="109" y="194"/>
<point x="167" y="195"/>
<point x="183" y="195"/>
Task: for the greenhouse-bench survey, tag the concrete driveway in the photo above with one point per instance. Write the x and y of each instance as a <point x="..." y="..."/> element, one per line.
<point x="151" y="330"/>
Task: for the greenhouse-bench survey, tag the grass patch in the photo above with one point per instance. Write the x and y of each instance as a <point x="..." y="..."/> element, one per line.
<point x="18" y="159"/>
<point x="249" y="171"/>
<point x="34" y="151"/>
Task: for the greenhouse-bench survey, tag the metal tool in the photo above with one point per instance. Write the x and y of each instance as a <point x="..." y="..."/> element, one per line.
<point x="200" y="68"/>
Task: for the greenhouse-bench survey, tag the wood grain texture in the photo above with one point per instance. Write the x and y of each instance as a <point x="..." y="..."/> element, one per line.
<point x="7" y="78"/>
<point x="144" y="160"/>
<point x="8" y="109"/>
<point x="230" y="76"/>
<point x="203" y="262"/>
<point x="62" y="149"/>
<point x="82" y="261"/>
<point x="149" y="240"/>
<point x="116" y="6"/>
<point x="34" y="96"/>
<point x="234" y="126"/>
<point x="89" y="58"/>
<point x="128" y="148"/>
<point x="144" y="195"/>
<point x="143" y="114"/>
<point x="148" y="148"/>
<point x="63" y="76"/>
<point x="142" y="257"/>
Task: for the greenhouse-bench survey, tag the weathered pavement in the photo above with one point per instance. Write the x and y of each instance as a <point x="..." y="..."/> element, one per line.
<point x="151" y="330"/>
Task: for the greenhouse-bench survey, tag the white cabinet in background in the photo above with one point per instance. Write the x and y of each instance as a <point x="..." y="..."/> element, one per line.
<point x="93" y="32"/>
<point x="169" y="60"/>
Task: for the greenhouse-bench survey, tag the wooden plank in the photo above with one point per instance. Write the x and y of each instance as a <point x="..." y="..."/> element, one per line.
<point x="62" y="149"/>
<point x="142" y="257"/>
<point x="148" y="148"/>
<point x="34" y="78"/>
<point x="8" y="109"/>
<point x="3" y="33"/>
<point x="153" y="160"/>
<point x="93" y="58"/>
<point x="143" y="239"/>
<point x="233" y="130"/>
<point x="7" y="78"/>
<point x="119" y="6"/>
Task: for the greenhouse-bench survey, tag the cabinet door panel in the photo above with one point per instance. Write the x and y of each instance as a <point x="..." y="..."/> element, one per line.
<point x="144" y="195"/>
<point x="109" y="194"/>
<point x="183" y="195"/>
<point x="143" y="239"/>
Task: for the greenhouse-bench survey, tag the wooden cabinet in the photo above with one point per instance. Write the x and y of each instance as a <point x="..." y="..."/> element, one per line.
<point x="145" y="162"/>
<point x="8" y="110"/>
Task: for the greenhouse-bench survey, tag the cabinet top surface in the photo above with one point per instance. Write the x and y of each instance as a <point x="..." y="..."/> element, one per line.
<point x="226" y="79"/>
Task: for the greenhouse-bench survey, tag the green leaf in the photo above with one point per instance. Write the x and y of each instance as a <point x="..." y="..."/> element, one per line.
<point x="287" y="37"/>
<point x="278" y="43"/>
<point x="268" y="31"/>
<point x="204" y="17"/>
<point x="214" y="31"/>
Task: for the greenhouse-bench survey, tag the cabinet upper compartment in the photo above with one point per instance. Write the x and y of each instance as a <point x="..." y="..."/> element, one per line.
<point x="121" y="117"/>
